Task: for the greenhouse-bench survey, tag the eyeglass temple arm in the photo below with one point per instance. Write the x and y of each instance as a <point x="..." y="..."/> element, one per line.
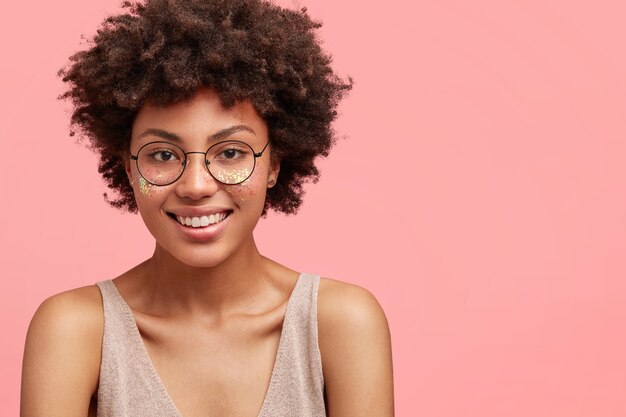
<point x="259" y="154"/>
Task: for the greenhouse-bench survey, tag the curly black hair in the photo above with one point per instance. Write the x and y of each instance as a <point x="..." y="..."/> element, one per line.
<point x="166" y="50"/>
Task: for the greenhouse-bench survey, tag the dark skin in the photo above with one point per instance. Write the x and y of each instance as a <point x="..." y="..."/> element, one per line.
<point x="228" y="310"/>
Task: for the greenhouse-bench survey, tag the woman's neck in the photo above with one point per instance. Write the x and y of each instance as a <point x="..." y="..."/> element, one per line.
<point x="171" y="287"/>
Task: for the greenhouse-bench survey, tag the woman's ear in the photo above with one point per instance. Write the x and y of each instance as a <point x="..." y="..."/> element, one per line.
<point x="127" y="168"/>
<point x="272" y="176"/>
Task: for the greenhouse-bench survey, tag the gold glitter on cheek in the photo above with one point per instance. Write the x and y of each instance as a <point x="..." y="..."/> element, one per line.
<point x="233" y="177"/>
<point x="247" y="190"/>
<point x="144" y="186"/>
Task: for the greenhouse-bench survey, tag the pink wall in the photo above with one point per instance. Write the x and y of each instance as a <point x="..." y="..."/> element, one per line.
<point x="479" y="194"/>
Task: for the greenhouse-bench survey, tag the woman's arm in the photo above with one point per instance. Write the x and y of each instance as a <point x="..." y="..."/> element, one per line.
<point x="62" y="355"/>
<point x="356" y="352"/>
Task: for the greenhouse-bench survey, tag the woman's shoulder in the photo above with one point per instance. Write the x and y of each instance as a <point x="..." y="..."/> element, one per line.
<point x="347" y="315"/>
<point x="355" y="347"/>
<point x="73" y="310"/>
<point x="343" y="304"/>
<point x="62" y="354"/>
<point x="74" y="319"/>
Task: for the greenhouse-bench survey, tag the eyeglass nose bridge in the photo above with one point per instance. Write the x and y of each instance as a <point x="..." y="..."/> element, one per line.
<point x="186" y="161"/>
<point x="206" y="163"/>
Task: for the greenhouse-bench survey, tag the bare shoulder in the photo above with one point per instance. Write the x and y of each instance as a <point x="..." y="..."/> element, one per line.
<point x="74" y="311"/>
<point x="341" y="304"/>
<point x="355" y="346"/>
<point x="62" y="354"/>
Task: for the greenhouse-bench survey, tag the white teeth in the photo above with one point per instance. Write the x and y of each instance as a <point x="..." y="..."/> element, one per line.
<point x="201" y="221"/>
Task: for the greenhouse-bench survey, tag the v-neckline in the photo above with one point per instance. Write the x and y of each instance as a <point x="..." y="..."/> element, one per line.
<point x="154" y="375"/>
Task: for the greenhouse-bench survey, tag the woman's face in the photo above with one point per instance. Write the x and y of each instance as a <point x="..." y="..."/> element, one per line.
<point x="232" y="211"/>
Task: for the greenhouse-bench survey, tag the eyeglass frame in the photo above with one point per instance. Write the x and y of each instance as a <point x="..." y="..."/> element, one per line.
<point x="206" y="161"/>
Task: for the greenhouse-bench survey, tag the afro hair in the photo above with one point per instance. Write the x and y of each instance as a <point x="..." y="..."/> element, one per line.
<point x="166" y="50"/>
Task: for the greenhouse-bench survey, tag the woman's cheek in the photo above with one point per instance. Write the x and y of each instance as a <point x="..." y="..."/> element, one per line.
<point x="247" y="190"/>
<point x="146" y="189"/>
<point x="234" y="177"/>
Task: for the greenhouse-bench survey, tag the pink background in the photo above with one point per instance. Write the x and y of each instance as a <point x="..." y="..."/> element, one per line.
<point x="479" y="195"/>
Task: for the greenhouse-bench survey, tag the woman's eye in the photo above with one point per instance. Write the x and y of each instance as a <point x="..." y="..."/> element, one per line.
<point x="164" y="156"/>
<point x="230" y="153"/>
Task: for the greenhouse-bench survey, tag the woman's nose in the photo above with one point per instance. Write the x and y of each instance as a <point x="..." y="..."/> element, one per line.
<point x="196" y="181"/>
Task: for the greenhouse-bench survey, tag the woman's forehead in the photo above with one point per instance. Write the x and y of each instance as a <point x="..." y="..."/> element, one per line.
<point x="204" y="115"/>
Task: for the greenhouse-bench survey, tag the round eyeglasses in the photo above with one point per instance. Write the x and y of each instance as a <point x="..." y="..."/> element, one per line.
<point x="163" y="163"/>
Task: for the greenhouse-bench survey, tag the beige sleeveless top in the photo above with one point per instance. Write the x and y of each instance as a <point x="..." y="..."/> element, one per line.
<point x="130" y="387"/>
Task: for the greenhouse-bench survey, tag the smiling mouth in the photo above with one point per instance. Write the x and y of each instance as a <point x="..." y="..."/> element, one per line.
<point x="202" y="221"/>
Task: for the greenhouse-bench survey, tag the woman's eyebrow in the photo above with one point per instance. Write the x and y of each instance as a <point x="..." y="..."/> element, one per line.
<point x="224" y="133"/>
<point x="161" y="133"/>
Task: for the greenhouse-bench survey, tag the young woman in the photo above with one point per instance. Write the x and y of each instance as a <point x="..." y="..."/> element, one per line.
<point x="206" y="114"/>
